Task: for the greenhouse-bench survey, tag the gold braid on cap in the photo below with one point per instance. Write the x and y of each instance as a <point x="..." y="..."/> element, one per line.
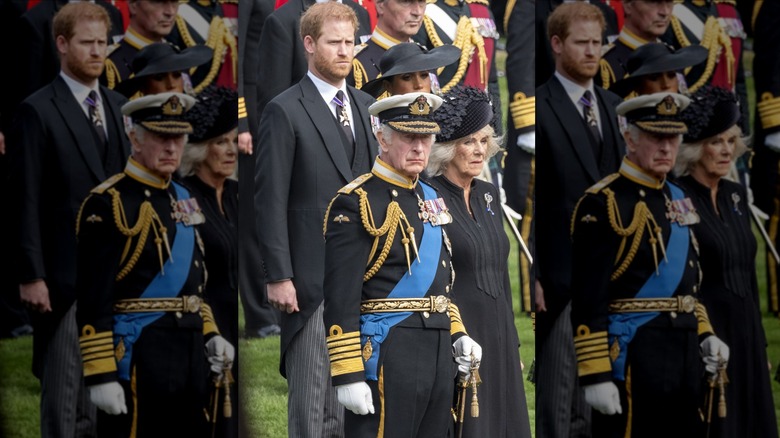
<point x="467" y="39"/>
<point x="713" y="39"/>
<point x="147" y="219"/>
<point x="643" y="219"/>
<point x="395" y="219"/>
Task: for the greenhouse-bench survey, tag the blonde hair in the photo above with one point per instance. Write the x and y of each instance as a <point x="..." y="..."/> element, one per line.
<point x="690" y="154"/>
<point x="442" y="153"/>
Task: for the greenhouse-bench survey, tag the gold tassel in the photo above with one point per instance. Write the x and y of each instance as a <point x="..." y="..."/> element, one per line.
<point x="158" y="242"/>
<point x="410" y="230"/>
<point x="405" y="241"/>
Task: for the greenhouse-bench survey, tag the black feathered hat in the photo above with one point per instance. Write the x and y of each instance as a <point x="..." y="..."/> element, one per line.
<point x="214" y="114"/>
<point x="465" y="110"/>
<point x="712" y="110"/>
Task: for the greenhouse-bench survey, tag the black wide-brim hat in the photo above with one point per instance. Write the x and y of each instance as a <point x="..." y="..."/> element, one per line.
<point x="654" y="58"/>
<point x="712" y="110"/>
<point x="162" y="58"/>
<point x="409" y="58"/>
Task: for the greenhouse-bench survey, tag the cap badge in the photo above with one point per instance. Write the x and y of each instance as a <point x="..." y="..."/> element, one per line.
<point x="667" y="107"/>
<point x="173" y="107"/>
<point x="420" y="107"/>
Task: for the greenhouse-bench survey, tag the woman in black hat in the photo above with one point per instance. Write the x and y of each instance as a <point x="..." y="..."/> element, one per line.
<point x="409" y="67"/>
<point x="653" y="68"/>
<point x="727" y="251"/>
<point x="161" y="67"/>
<point x="480" y="250"/>
<point x="208" y="170"/>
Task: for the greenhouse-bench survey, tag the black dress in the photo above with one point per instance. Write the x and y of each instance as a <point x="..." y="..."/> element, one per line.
<point x="480" y="250"/>
<point x="220" y="239"/>
<point x="729" y="290"/>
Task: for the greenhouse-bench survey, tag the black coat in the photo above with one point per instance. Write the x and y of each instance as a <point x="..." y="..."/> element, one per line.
<point x="282" y="56"/>
<point x="565" y="167"/>
<point x="301" y="164"/>
<point x="55" y="163"/>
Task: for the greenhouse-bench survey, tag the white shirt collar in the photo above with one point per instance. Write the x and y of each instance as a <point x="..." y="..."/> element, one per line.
<point x="575" y="91"/>
<point x="328" y="91"/>
<point x="79" y="90"/>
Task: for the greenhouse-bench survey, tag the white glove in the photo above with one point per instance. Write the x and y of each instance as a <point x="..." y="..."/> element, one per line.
<point x="772" y="141"/>
<point x="713" y="350"/>
<point x="462" y="349"/>
<point x="108" y="397"/>
<point x="356" y="397"/>
<point x="527" y="142"/>
<point x="604" y="397"/>
<point x="220" y="354"/>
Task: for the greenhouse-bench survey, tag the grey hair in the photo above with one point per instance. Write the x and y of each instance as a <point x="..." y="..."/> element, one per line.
<point x="193" y="156"/>
<point x="443" y="152"/>
<point x="387" y="134"/>
<point x="689" y="154"/>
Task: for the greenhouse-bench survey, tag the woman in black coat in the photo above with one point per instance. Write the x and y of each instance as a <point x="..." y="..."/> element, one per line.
<point x="727" y="253"/>
<point x="208" y="168"/>
<point x="480" y="250"/>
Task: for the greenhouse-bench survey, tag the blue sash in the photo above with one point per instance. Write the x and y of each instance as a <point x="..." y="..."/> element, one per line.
<point x="376" y="326"/>
<point x="128" y="326"/>
<point x="623" y="326"/>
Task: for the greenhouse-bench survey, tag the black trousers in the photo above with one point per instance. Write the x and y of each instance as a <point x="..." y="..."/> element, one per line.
<point x="413" y="396"/>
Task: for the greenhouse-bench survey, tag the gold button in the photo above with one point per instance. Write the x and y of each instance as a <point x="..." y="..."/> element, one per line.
<point x="197" y="264"/>
<point x="426" y="314"/>
<point x="443" y="263"/>
<point x="200" y="288"/>
<point x="641" y="193"/>
<point x="695" y="288"/>
<point x="690" y="263"/>
<point x="178" y="314"/>
<point x="447" y="289"/>
<point x="395" y="193"/>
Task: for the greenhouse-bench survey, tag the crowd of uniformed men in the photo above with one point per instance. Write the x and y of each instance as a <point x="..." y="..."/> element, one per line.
<point x="639" y="275"/>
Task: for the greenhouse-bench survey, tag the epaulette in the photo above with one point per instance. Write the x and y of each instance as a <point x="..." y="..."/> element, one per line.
<point x="599" y="186"/>
<point x="357" y="182"/>
<point x="607" y="48"/>
<point x="107" y="184"/>
<point x="360" y="48"/>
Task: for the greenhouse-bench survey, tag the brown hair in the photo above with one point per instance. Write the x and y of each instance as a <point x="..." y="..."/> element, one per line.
<point x="563" y="16"/>
<point x="314" y="17"/>
<point x="66" y="19"/>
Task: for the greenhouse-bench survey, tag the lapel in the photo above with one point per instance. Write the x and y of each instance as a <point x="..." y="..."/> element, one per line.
<point x="609" y="126"/>
<point x="79" y="127"/>
<point x="362" y="141"/>
<point x="569" y="118"/>
<point x="115" y="124"/>
<point x="321" y="117"/>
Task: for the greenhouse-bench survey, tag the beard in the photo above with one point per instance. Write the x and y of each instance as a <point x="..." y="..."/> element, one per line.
<point x="578" y="70"/>
<point x="330" y="70"/>
<point x="85" y="70"/>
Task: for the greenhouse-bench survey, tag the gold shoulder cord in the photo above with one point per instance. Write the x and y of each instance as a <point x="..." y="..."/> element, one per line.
<point x="393" y="221"/>
<point x="467" y="39"/>
<point x="112" y="73"/>
<point x="643" y="219"/>
<point x="147" y="218"/>
<point x="607" y="74"/>
<point x="359" y="72"/>
<point x="713" y="39"/>
<point x="219" y="37"/>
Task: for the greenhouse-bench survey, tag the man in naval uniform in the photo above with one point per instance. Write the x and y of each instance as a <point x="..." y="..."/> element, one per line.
<point x="397" y="22"/>
<point x="645" y="21"/>
<point x="142" y="319"/>
<point x="640" y="333"/>
<point x="391" y="326"/>
<point x="150" y="21"/>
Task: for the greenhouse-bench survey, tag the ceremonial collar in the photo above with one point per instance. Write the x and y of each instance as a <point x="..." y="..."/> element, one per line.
<point x="135" y="39"/>
<point x="639" y="176"/>
<point x="138" y="172"/>
<point x="388" y="174"/>
<point x="630" y="39"/>
<point x="383" y="40"/>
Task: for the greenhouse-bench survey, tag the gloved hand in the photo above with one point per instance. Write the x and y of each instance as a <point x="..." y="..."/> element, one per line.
<point x="220" y="353"/>
<point x="108" y="397"/>
<point x="772" y="141"/>
<point x="604" y="397"/>
<point x="462" y="349"/>
<point x="356" y="397"/>
<point x="713" y="350"/>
